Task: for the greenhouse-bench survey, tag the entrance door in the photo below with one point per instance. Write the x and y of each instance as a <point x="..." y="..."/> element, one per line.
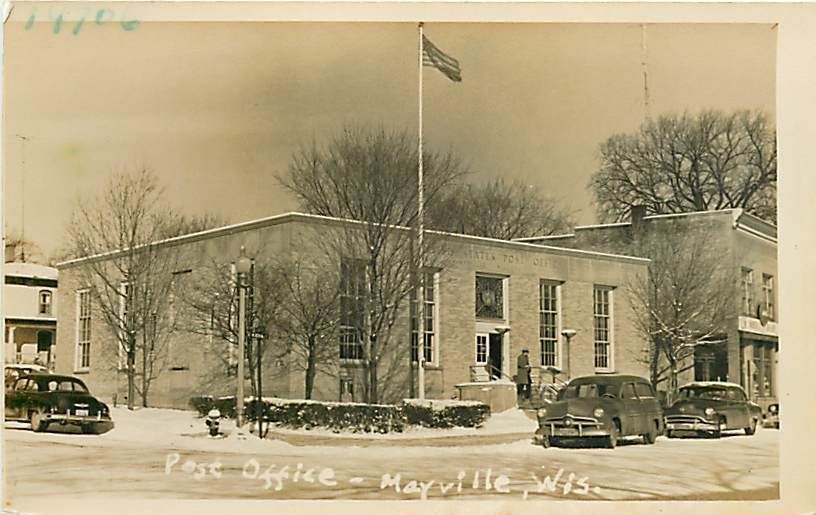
<point x="495" y="355"/>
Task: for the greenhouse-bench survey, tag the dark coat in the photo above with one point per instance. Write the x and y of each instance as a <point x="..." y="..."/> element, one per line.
<point x="523" y="369"/>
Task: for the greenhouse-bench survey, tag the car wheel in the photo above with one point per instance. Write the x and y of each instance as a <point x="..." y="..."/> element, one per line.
<point x="752" y="428"/>
<point x="38" y="424"/>
<point x="650" y="437"/>
<point x="669" y="434"/>
<point x="545" y="441"/>
<point x="612" y="439"/>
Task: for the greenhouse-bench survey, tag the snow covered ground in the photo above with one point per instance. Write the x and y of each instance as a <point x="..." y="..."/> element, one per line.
<point x="56" y="466"/>
<point x="185" y="430"/>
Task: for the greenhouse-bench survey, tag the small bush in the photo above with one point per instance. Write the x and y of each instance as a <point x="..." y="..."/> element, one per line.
<point x="204" y="403"/>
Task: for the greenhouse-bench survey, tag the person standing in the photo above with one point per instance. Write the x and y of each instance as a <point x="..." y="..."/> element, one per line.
<point x="523" y="374"/>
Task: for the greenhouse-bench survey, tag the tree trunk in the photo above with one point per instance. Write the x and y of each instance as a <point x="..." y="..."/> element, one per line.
<point x="144" y="375"/>
<point x="131" y="372"/>
<point x="372" y="380"/>
<point x="310" y="367"/>
<point x="672" y="390"/>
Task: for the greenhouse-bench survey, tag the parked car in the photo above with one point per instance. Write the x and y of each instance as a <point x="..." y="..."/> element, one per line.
<point x="711" y="408"/>
<point x="43" y="399"/>
<point x="15" y="370"/>
<point x="772" y="417"/>
<point x="606" y="407"/>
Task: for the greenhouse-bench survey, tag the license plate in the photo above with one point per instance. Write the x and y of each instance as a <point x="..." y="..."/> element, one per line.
<point x="82" y="413"/>
<point x="568" y="431"/>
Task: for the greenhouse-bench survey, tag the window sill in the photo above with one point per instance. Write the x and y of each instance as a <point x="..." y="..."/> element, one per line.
<point x="429" y="366"/>
<point x="83" y="371"/>
<point x="604" y="371"/>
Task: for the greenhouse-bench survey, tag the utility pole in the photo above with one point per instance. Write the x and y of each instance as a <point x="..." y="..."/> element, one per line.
<point x="24" y="140"/>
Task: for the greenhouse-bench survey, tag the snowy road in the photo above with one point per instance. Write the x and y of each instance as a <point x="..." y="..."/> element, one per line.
<point x="177" y="461"/>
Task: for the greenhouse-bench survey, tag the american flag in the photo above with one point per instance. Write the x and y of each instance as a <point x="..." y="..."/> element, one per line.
<point x="432" y="56"/>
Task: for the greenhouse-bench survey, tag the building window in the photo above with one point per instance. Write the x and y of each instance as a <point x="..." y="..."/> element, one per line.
<point x="603" y="327"/>
<point x="762" y="377"/>
<point x="346" y="390"/>
<point x="429" y="325"/>
<point x="489" y="297"/>
<point x="548" y="323"/>
<point x="352" y="298"/>
<point x="481" y="349"/>
<point x="747" y="287"/>
<point x="83" y="334"/>
<point x="45" y="302"/>
<point x="768" y="293"/>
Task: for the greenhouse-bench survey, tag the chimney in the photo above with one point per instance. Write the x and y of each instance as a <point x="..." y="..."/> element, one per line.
<point x="636" y="214"/>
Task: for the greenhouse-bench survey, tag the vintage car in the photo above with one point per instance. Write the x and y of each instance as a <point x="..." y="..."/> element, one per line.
<point x="15" y="370"/>
<point x="772" y="417"/>
<point x="43" y="399"/>
<point x="601" y="407"/>
<point x="711" y="408"/>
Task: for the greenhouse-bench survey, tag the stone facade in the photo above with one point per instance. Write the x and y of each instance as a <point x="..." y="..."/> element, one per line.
<point x="521" y="267"/>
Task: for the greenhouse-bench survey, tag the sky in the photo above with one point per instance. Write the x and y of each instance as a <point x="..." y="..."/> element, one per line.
<point x="218" y="109"/>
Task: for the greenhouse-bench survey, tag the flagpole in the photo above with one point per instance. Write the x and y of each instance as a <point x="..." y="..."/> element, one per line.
<point x="420" y="311"/>
<point x="645" y="68"/>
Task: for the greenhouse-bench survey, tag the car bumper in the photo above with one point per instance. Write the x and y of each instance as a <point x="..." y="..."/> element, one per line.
<point x="78" y="420"/>
<point x="576" y="431"/>
<point x="698" y="426"/>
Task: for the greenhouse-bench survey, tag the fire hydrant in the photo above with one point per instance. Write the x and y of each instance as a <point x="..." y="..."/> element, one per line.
<point x="213" y="422"/>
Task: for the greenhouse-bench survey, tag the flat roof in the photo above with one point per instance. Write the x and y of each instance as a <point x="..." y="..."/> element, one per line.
<point x="34" y="270"/>
<point x="741" y="219"/>
<point x="295" y="216"/>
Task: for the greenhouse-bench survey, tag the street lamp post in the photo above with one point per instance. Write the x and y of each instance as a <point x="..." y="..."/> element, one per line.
<point x="568" y="334"/>
<point x="242" y="268"/>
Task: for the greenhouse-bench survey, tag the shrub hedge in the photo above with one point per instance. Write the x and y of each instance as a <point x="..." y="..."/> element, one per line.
<point x="443" y="413"/>
<point x="349" y="416"/>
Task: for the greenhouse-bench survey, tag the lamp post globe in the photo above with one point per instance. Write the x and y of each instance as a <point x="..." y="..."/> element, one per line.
<point x="244" y="264"/>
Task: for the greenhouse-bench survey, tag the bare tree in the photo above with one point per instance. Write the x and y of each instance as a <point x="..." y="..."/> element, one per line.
<point x="685" y="299"/>
<point x="675" y="164"/>
<point x="370" y="176"/>
<point x="18" y="248"/>
<point x="309" y="318"/>
<point x="500" y="210"/>
<point x="187" y="224"/>
<point x="129" y="276"/>
<point x="210" y="309"/>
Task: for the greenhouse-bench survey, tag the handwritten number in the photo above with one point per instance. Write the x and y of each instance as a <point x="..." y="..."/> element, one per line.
<point x="78" y="26"/>
<point x="100" y="15"/>
<point x="58" y="25"/>
<point x="129" y="25"/>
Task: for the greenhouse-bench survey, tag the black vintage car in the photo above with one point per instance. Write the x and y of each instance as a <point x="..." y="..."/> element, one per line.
<point x="43" y="399"/>
<point x="605" y="407"/>
<point x="711" y="408"/>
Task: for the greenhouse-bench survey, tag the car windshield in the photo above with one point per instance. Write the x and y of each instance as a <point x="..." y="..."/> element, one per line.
<point x="589" y="390"/>
<point x="66" y="385"/>
<point x="703" y="393"/>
